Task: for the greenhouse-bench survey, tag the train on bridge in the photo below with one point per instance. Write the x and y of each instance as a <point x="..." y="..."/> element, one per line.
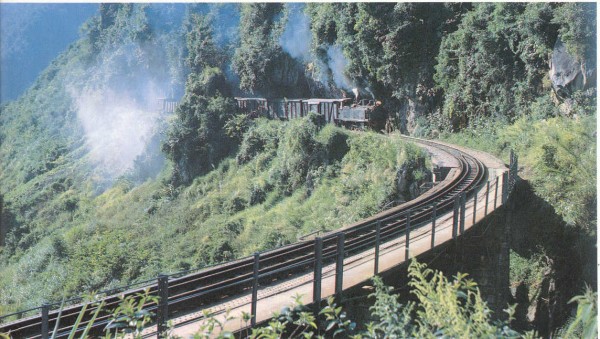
<point x="346" y="112"/>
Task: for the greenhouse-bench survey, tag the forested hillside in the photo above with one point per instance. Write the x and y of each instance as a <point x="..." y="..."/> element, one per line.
<point x="32" y="36"/>
<point x="99" y="188"/>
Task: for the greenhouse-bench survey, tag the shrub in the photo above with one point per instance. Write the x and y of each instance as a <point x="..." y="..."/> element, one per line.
<point x="298" y="151"/>
<point x="335" y="142"/>
<point x="444" y="308"/>
<point x="262" y="137"/>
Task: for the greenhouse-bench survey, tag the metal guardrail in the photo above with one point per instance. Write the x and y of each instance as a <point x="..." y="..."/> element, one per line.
<point x="247" y="274"/>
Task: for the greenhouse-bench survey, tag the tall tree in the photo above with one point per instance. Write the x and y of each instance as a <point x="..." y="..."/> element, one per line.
<point x="262" y="65"/>
<point x="196" y="141"/>
<point x="390" y="47"/>
<point x="494" y="63"/>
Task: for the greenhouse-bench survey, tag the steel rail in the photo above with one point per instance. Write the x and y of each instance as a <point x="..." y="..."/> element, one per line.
<point x="208" y="286"/>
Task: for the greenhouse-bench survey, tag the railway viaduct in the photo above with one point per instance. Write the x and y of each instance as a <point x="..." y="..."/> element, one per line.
<point x="454" y="213"/>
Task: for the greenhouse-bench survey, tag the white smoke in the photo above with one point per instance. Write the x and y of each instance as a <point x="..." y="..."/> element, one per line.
<point x="117" y="127"/>
<point x="117" y="107"/>
<point x="297" y="38"/>
<point x="338" y="63"/>
<point x="370" y="92"/>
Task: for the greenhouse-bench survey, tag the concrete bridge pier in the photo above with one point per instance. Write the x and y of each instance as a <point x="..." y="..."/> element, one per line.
<point x="483" y="252"/>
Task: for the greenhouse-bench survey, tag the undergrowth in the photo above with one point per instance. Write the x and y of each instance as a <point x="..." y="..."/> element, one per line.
<point x="287" y="180"/>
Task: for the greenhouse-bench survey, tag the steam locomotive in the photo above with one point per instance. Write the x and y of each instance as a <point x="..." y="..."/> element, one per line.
<point x="346" y="112"/>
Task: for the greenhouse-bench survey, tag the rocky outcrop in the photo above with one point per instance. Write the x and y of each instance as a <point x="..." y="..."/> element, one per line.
<point x="408" y="186"/>
<point x="569" y="74"/>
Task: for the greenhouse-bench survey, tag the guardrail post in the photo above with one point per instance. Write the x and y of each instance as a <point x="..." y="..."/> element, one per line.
<point x="487" y="198"/>
<point x="513" y="168"/>
<point x="45" y="320"/>
<point x="463" y="210"/>
<point x="433" y="217"/>
<point x="339" y="265"/>
<point x="455" y="217"/>
<point x="496" y="192"/>
<point x="318" y="274"/>
<point x="163" y="306"/>
<point x="475" y="191"/>
<point x="254" y="290"/>
<point x="377" y="243"/>
<point x="407" y="239"/>
<point x="504" y="187"/>
<point x="510" y="169"/>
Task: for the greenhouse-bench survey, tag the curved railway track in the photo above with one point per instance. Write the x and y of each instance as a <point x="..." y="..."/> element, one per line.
<point x="193" y="291"/>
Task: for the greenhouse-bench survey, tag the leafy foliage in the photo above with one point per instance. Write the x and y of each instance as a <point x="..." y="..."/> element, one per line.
<point x="560" y="213"/>
<point x="492" y="65"/>
<point x="259" y="52"/>
<point x="560" y="152"/>
<point x="298" y="152"/>
<point x="578" y="29"/>
<point x="585" y="322"/>
<point x="480" y="68"/>
<point x="196" y="141"/>
<point x="131" y="316"/>
<point x="202" y="50"/>
<point x="130" y="233"/>
<point x="443" y="308"/>
<point x="390" y="48"/>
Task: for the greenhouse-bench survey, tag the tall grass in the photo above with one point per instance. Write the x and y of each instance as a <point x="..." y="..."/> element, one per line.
<point x="273" y="191"/>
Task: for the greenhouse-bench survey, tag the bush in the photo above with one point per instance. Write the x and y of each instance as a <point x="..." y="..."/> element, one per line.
<point x="560" y="153"/>
<point x="335" y="142"/>
<point x="298" y="152"/>
<point x="444" y="308"/>
<point x="262" y="137"/>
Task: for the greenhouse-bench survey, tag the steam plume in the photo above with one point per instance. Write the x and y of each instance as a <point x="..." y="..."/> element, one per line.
<point x="337" y="64"/>
<point x="117" y="127"/>
<point x="296" y="38"/>
<point x="117" y="108"/>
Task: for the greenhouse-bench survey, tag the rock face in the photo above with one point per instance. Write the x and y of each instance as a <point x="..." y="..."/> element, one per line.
<point x="407" y="185"/>
<point x="568" y="74"/>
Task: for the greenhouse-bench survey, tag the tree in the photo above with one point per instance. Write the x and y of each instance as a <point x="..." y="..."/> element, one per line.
<point x="493" y="65"/>
<point x="390" y="48"/>
<point x="259" y="51"/>
<point x="260" y="62"/>
<point x="578" y="28"/>
<point x="196" y="140"/>
<point x="444" y="308"/>
<point x="202" y="51"/>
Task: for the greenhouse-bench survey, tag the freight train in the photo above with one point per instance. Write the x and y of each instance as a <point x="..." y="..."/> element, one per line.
<point x="345" y="112"/>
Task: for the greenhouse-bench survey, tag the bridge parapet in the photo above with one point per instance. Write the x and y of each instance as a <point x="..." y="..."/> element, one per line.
<point x="322" y="267"/>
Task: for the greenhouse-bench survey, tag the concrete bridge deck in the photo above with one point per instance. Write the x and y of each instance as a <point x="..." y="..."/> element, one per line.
<point x="358" y="268"/>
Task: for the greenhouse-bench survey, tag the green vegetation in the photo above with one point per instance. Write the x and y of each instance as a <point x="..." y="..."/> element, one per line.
<point x="585" y="322"/>
<point x="443" y="308"/>
<point x="259" y="52"/>
<point x="76" y="217"/>
<point x="196" y="141"/>
<point x="557" y="153"/>
<point x="557" y="157"/>
<point x="263" y="67"/>
<point x="482" y="79"/>
<point x="490" y="66"/>
<point x="250" y="202"/>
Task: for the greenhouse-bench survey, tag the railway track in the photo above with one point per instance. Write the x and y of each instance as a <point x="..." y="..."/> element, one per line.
<point x="191" y="292"/>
